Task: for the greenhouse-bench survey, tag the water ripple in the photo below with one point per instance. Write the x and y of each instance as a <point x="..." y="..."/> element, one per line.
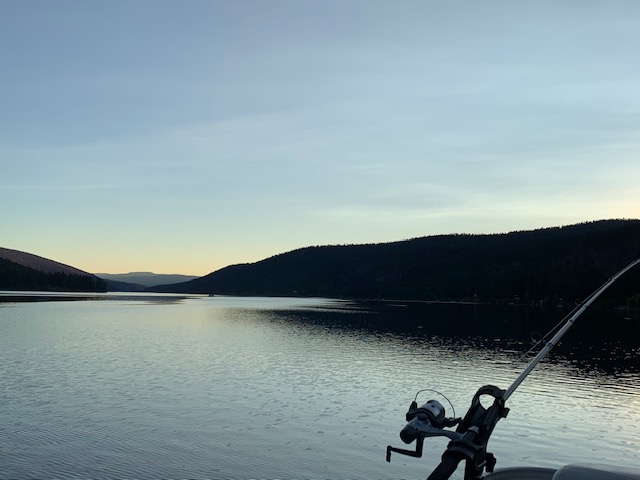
<point x="211" y="388"/>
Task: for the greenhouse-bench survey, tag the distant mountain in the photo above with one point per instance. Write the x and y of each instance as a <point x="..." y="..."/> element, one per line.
<point x="115" y="286"/>
<point x="546" y="264"/>
<point x="145" y="279"/>
<point x="25" y="271"/>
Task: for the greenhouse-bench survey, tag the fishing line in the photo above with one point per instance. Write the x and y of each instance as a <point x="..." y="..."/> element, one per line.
<point x="548" y="334"/>
<point x="415" y="399"/>
<point x="559" y="324"/>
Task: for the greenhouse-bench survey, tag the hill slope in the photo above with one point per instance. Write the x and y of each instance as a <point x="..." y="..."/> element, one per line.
<point x="38" y="263"/>
<point x="25" y="271"/>
<point x="567" y="262"/>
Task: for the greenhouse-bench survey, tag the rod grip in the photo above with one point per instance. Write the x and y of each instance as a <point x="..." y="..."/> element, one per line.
<point x="448" y="465"/>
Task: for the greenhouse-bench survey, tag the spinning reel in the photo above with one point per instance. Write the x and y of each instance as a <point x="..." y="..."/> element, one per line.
<point x="428" y="420"/>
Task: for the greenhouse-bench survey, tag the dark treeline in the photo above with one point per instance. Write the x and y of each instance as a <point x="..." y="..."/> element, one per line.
<point x="562" y="264"/>
<point x="14" y="276"/>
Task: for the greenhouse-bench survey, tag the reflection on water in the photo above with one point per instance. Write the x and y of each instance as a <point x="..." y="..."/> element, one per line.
<point x="601" y="340"/>
<point x="29" y="296"/>
<point x="294" y="388"/>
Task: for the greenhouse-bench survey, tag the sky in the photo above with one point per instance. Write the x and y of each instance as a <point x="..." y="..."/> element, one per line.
<point x="185" y="136"/>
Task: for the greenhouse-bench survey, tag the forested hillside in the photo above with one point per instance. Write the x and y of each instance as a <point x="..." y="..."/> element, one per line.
<point x="14" y="276"/>
<point x="541" y="265"/>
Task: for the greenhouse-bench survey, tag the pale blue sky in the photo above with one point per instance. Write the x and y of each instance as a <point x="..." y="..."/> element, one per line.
<point x="184" y="136"/>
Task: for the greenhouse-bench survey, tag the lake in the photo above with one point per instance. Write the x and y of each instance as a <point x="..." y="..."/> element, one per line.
<point x="168" y="386"/>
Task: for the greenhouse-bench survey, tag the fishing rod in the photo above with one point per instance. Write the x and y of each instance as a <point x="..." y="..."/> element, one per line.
<point x="568" y="324"/>
<point x="469" y="440"/>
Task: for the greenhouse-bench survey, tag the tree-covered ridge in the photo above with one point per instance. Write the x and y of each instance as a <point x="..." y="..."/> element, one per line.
<point x="14" y="276"/>
<point x="540" y="265"/>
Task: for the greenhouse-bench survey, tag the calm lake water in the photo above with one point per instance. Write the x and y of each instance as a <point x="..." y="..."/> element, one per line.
<point x="162" y="386"/>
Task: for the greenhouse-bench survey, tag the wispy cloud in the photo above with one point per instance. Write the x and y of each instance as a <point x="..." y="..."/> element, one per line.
<point x="278" y="125"/>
